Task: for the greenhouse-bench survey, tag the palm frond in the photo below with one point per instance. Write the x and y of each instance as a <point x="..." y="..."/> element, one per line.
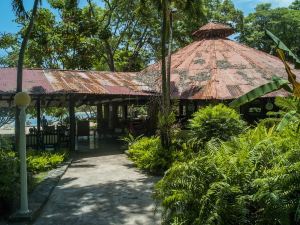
<point x="290" y="117"/>
<point x="288" y="104"/>
<point x="283" y="47"/>
<point x="274" y="85"/>
<point x="291" y="76"/>
<point x="18" y="8"/>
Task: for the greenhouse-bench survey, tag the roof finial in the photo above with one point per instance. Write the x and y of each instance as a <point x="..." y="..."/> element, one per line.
<point x="213" y="30"/>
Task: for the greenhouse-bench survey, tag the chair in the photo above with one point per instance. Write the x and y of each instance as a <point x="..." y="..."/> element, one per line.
<point x="83" y="128"/>
<point x="50" y="140"/>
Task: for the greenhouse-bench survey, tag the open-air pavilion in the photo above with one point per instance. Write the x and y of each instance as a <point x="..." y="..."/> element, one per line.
<point x="110" y="92"/>
<point x="213" y="68"/>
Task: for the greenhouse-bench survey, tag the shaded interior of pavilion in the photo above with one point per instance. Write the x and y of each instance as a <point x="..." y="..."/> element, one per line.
<point x="115" y="115"/>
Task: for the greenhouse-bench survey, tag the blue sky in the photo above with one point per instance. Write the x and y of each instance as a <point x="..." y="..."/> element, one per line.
<point x="8" y="26"/>
<point x="248" y="6"/>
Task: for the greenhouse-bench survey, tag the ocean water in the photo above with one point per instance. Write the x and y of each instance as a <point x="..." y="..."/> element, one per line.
<point x="33" y="121"/>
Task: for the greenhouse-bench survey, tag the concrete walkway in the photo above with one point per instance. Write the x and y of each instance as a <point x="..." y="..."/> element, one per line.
<point x="101" y="188"/>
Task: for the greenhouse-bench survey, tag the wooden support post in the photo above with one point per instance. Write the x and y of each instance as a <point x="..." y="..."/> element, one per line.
<point x="153" y="109"/>
<point x="105" y="116"/>
<point x="180" y="110"/>
<point x="72" y="123"/>
<point x="38" y="122"/>
<point x="106" y="111"/>
<point x="189" y="108"/>
<point x="124" y="112"/>
<point x="99" y="118"/>
<point x="195" y="106"/>
<point x="110" y="122"/>
<point x="113" y="110"/>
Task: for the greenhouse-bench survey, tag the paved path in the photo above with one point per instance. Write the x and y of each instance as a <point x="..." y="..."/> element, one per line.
<point x="101" y="188"/>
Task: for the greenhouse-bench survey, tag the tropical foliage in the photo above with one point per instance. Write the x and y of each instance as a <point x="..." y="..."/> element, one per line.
<point x="6" y="142"/>
<point x="282" y="21"/>
<point x="6" y="116"/>
<point x="251" y="179"/>
<point x="130" y="139"/>
<point x="148" y="154"/>
<point x="44" y="161"/>
<point x="9" y="172"/>
<point x="8" y="175"/>
<point x="212" y="122"/>
<point x="289" y="113"/>
<point x="219" y="122"/>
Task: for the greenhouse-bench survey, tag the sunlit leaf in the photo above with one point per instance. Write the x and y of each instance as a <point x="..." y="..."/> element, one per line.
<point x="260" y="91"/>
<point x="291" y="76"/>
<point x="290" y="117"/>
<point x="283" y="47"/>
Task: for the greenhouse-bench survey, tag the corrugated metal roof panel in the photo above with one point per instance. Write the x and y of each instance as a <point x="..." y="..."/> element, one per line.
<point x="38" y="81"/>
<point x="33" y="81"/>
<point x="213" y="68"/>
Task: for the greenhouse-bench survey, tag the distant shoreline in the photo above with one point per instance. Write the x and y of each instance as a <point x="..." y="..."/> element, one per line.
<point x="11" y="130"/>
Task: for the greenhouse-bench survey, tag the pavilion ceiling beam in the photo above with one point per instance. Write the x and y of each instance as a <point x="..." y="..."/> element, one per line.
<point x="49" y="101"/>
<point x="72" y="121"/>
<point x="81" y="102"/>
<point x="11" y="101"/>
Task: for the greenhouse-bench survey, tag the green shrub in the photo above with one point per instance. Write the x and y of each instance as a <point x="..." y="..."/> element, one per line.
<point x="130" y="139"/>
<point x="5" y="143"/>
<point x="44" y="161"/>
<point x="251" y="179"/>
<point x="9" y="175"/>
<point x="148" y="155"/>
<point x="36" y="162"/>
<point x="10" y="178"/>
<point x="220" y="122"/>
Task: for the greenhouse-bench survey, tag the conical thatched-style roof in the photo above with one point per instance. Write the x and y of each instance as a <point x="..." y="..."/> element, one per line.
<point x="213" y="30"/>
<point x="214" y="67"/>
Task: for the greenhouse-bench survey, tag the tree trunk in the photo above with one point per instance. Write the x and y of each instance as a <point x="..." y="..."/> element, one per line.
<point x="110" y="56"/>
<point x="20" y="66"/>
<point x="163" y="54"/>
<point x="168" y="94"/>
<point x="165" y="139"/>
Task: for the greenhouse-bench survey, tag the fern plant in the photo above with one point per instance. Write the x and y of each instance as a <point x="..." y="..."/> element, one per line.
<point x="130" y="139"/>
<point x="148" y="154"/>
<point x="251" y="179"/>
<point x="290" y="111"/>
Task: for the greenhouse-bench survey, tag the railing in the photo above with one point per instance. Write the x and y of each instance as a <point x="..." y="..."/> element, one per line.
<point x="46" y="139"/>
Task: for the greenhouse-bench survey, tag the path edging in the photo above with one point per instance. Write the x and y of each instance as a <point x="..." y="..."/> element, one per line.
<point x="41" y="193"/>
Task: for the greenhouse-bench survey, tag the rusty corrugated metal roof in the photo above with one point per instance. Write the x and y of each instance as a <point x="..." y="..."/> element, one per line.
<point x="38" y="81"/>
<point x="33" y="81"/>
<point x="217" y="68"/>
<point x="212" y="30"/>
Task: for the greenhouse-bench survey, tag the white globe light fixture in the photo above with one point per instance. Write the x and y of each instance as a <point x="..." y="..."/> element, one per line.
<point x="22" y="100"/>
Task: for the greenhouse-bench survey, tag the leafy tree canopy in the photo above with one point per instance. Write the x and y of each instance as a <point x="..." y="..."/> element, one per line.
<point x="284" y="22"/>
